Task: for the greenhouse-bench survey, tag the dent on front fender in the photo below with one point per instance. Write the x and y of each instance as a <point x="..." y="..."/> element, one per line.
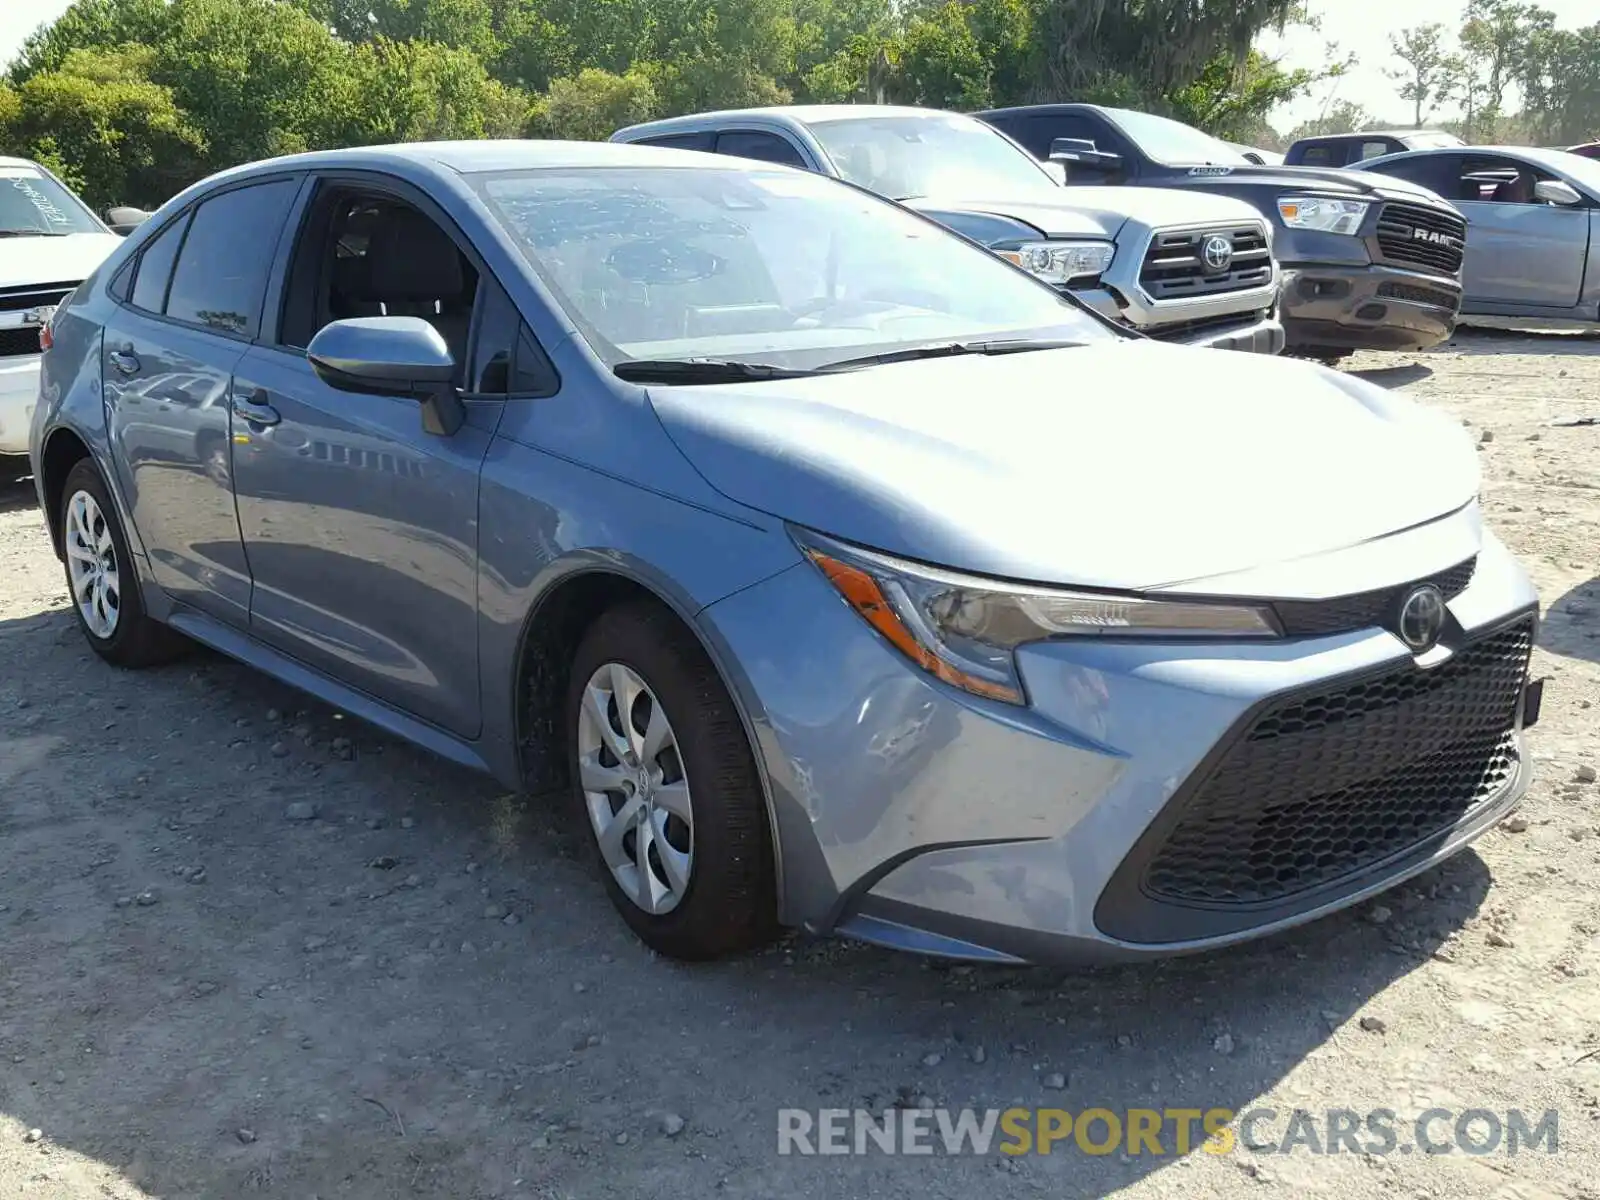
<point x="544" y="519"/>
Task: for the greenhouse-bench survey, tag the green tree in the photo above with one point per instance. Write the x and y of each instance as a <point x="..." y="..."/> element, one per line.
<point x="1232" y="100"/>
<point x="591" y="105"/>
<point x="99" y="121"/>
<point x="1149" y="48"/>
<point x="1426" y="71"/>
<point x="89" y="24"/>
<point x="1559" y="76"/>
<point x="826" y="30"/>
<point x="704" y="54"/>
<point x="1341" y="116"/>
<point x="426" y="91"/>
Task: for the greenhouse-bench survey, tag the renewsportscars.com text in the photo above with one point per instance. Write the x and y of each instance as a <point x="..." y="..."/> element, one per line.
<point x="1163" y="1132"/>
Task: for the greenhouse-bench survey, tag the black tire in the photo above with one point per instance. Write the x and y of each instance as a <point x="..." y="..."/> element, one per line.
<point x="729" y="905"/>
<point x="136" y="640"/>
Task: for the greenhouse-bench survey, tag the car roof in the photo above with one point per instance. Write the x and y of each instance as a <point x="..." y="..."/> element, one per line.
<point x="16" y="162"/>
<point x="494" y="155"/>
<point x="790" y="114"/>
<point x="1399" y="135"/>
<point x="1548" y="158"/>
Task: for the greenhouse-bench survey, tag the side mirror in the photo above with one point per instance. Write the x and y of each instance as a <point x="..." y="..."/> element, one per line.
<point x="1080" y="152"/>
<point x="1557" y="191"/>
<point x="125" y="220"/>
<point x="391" y="356"/>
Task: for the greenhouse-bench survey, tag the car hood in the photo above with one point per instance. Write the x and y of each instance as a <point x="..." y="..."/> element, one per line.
<point x="1123" y="465"/>
<point x="1334" y="181"/>
<point x="69" y="259"/>
<point x="1096" y="212"/>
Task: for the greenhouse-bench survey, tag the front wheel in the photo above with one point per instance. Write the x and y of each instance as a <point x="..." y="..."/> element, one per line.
<point x="103" y="580"/>
<point x="666" y="782"/>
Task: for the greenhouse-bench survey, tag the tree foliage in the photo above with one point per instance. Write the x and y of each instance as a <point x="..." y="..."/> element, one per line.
<point x="135" y="98"/>
<point x="1506" y="50"/>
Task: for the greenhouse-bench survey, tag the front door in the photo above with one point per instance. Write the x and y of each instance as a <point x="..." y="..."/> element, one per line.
<point x="168" y="356"/>
<point x="361" y="528"/>
<point x="1520" y="250"/>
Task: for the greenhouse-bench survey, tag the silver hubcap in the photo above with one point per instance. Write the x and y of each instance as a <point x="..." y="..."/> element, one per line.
<point x="635" y="789"/>
<point x="92" y="565"/>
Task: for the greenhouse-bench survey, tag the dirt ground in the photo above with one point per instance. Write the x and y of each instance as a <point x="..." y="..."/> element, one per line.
<point x="422" y="992"/>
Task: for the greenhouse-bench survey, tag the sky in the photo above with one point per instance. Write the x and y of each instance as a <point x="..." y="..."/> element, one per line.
<point x="1363" y="27"/>
<point x="1359" y="26"/>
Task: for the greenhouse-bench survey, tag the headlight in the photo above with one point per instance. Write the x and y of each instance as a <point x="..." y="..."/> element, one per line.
<point x="1061" y="262"/>
<point x="1323" y="215"/>
<point x="963" y="629"/>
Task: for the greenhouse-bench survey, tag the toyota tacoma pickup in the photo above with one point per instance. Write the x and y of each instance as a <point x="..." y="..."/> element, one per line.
<point x="49" y="242"/>
<point x="1189" y="268"/>
<point x="1368" y="262"/>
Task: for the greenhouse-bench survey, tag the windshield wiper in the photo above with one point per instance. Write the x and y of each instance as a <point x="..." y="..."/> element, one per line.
<point x="700" y="370"/>
<point x="950" y="350"/>
<point x="31" y="233"/>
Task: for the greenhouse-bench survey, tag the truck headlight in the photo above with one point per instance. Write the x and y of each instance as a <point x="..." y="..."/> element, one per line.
<point x="1060" y="263"/>
<point x="963" y="629"/>
<point x="1322" y="214"/>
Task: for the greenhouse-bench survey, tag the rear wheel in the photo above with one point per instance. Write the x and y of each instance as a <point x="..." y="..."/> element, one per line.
<point x="664" y="777"/>
<point x="102" y="579"/>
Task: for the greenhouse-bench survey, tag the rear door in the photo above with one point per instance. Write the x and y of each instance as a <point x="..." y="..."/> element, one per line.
<point x="191" y="309"/>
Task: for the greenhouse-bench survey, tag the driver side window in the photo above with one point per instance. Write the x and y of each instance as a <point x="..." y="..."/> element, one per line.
<point x="367" y="254"/>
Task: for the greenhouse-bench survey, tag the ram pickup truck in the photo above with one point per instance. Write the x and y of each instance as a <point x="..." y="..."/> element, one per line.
<point x="1369" y="262"/>
<point x="1186" y="268"/>
<point x="49" y="242"/>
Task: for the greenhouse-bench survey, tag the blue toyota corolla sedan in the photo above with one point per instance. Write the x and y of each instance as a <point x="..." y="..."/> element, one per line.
<point x="845" y="576"/>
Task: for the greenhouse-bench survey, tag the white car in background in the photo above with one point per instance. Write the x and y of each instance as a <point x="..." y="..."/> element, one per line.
<point x="49" y="243"/>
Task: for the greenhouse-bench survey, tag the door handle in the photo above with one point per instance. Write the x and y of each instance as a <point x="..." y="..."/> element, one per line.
<point x="255" y="410"/>
<point x="125" y="361"/>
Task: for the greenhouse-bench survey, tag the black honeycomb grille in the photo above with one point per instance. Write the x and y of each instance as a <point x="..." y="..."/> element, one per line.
<point x="1364" y="610"/>
<point x="1324" y="786"/>
<point x="15" y="341"/>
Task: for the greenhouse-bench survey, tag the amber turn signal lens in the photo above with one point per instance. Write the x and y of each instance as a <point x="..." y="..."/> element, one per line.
<point x="863" y="593"/>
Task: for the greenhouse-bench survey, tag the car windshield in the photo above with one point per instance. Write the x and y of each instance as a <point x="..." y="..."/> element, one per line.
<point x="934" y="154"/>
<point x="1175" y="143"/>
<point x="760" y="266"/>
<point x="32" y="203"/>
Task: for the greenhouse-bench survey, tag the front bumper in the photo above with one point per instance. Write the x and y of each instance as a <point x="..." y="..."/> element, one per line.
<point x="916" y="816"/>
<point x="19" y="393"/>
<point x="1341" y="307"/>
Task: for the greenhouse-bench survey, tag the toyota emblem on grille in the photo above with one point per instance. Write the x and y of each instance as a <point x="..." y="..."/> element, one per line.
<point x="1217" y="252"/>
<point x="1421" y="617"/>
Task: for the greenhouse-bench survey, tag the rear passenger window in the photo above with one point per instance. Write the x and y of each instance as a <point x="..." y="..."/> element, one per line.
<point x="765" y="147"/>
<point x="1373" y="149"/>
<point x="221" y="275"/>
<point x="155" y="267"/>
<point x="1318" y="156"/>
<point x="678" y="141"/>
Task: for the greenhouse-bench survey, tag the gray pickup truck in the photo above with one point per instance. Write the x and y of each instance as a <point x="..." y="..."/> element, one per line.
<point x="1184" y="267"/>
